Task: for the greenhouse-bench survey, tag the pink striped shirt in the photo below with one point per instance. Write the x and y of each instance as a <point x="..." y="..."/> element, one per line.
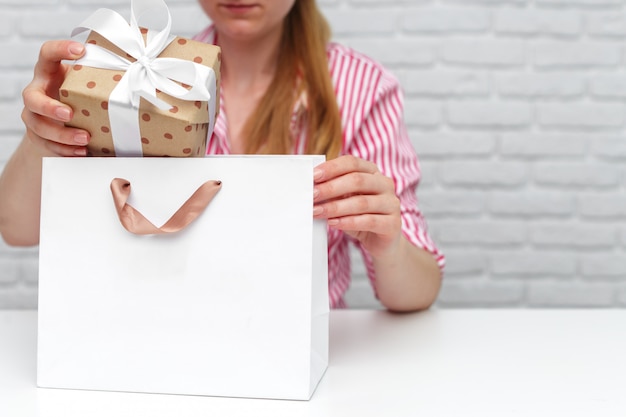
<point x="371" y="106"/>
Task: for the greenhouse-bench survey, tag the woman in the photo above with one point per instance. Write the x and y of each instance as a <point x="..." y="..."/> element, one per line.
<point x="285" y="89"/>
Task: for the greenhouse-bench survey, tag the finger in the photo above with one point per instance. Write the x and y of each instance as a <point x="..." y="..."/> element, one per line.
<point x="51" y="130"/>
<point x="353" y="183"/>
<point x="341" y="166"/>
<point x="381" y="225"/>
<point x="40" y="96"/>
<point x="52" y="53"/>
<point x="38" y="102"/>
<point x="55" y="148"/>
<point x="358" y="205"/>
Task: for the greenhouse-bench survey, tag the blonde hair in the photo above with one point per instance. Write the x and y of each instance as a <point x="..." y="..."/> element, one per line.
<point x="302" y="69"/>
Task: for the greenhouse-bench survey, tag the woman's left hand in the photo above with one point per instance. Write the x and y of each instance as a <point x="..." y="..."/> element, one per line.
<point x="357" y="198"/>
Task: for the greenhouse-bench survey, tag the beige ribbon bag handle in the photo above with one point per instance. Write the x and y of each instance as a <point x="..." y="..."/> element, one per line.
<point x="136" y="223"/>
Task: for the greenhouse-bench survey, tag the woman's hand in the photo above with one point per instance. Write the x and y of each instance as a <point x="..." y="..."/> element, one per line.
<point x="357" y="198"/>
<point x="43" y="115"/>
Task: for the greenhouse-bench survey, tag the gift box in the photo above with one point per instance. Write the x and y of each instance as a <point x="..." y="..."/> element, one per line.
<point x="170" y="117"/>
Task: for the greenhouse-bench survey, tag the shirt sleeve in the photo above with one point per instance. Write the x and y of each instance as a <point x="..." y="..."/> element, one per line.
<point x="382" y="137"/>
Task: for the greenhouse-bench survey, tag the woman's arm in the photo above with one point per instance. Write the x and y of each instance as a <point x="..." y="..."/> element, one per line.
<point x="20" y="189"/>
<point x="408" y="279"/>
<point x="46" y="135"/>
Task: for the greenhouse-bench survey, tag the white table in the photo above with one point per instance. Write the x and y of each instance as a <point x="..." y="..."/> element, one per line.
<point x="436" y="363"/>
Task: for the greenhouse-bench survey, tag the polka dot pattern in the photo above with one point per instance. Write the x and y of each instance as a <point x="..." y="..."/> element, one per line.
<point x="180" y="131"/>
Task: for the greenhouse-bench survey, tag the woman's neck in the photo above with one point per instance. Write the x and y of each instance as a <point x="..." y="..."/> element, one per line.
<point x="247" y="71"/>
<point x="249" y="65"/>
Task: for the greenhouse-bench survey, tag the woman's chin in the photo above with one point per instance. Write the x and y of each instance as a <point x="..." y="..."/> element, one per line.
<point x="241" y="31"/>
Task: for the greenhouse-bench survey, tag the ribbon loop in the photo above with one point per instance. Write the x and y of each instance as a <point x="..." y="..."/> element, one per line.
<point x="136" y="223"/>
<point x="147" y="74"/>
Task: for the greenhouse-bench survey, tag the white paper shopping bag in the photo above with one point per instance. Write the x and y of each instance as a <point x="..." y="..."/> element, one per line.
<point x="235" y="304"/>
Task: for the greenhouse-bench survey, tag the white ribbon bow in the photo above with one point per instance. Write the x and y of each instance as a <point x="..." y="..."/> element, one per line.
<point x="144" y="76"/>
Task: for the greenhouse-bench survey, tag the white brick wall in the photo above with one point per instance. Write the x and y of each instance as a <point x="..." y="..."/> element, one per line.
<point x="517" y="110"/>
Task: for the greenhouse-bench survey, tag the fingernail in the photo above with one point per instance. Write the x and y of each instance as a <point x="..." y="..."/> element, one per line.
<point x="332" y="222"/>
<point x="81" y="138"/>
<point x="80" y="151"/>
<point x="63" y="113"/>
<point x="76" y="48"/>
<point x="316" y="193"/>
<point x="317" y="210"/>
<point x="317" y="173"/>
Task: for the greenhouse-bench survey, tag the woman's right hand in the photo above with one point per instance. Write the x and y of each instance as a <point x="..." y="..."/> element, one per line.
<point x="44" y="115"/>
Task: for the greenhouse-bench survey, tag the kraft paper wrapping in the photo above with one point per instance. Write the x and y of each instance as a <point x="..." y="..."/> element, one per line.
<point x="179" y="132"/>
